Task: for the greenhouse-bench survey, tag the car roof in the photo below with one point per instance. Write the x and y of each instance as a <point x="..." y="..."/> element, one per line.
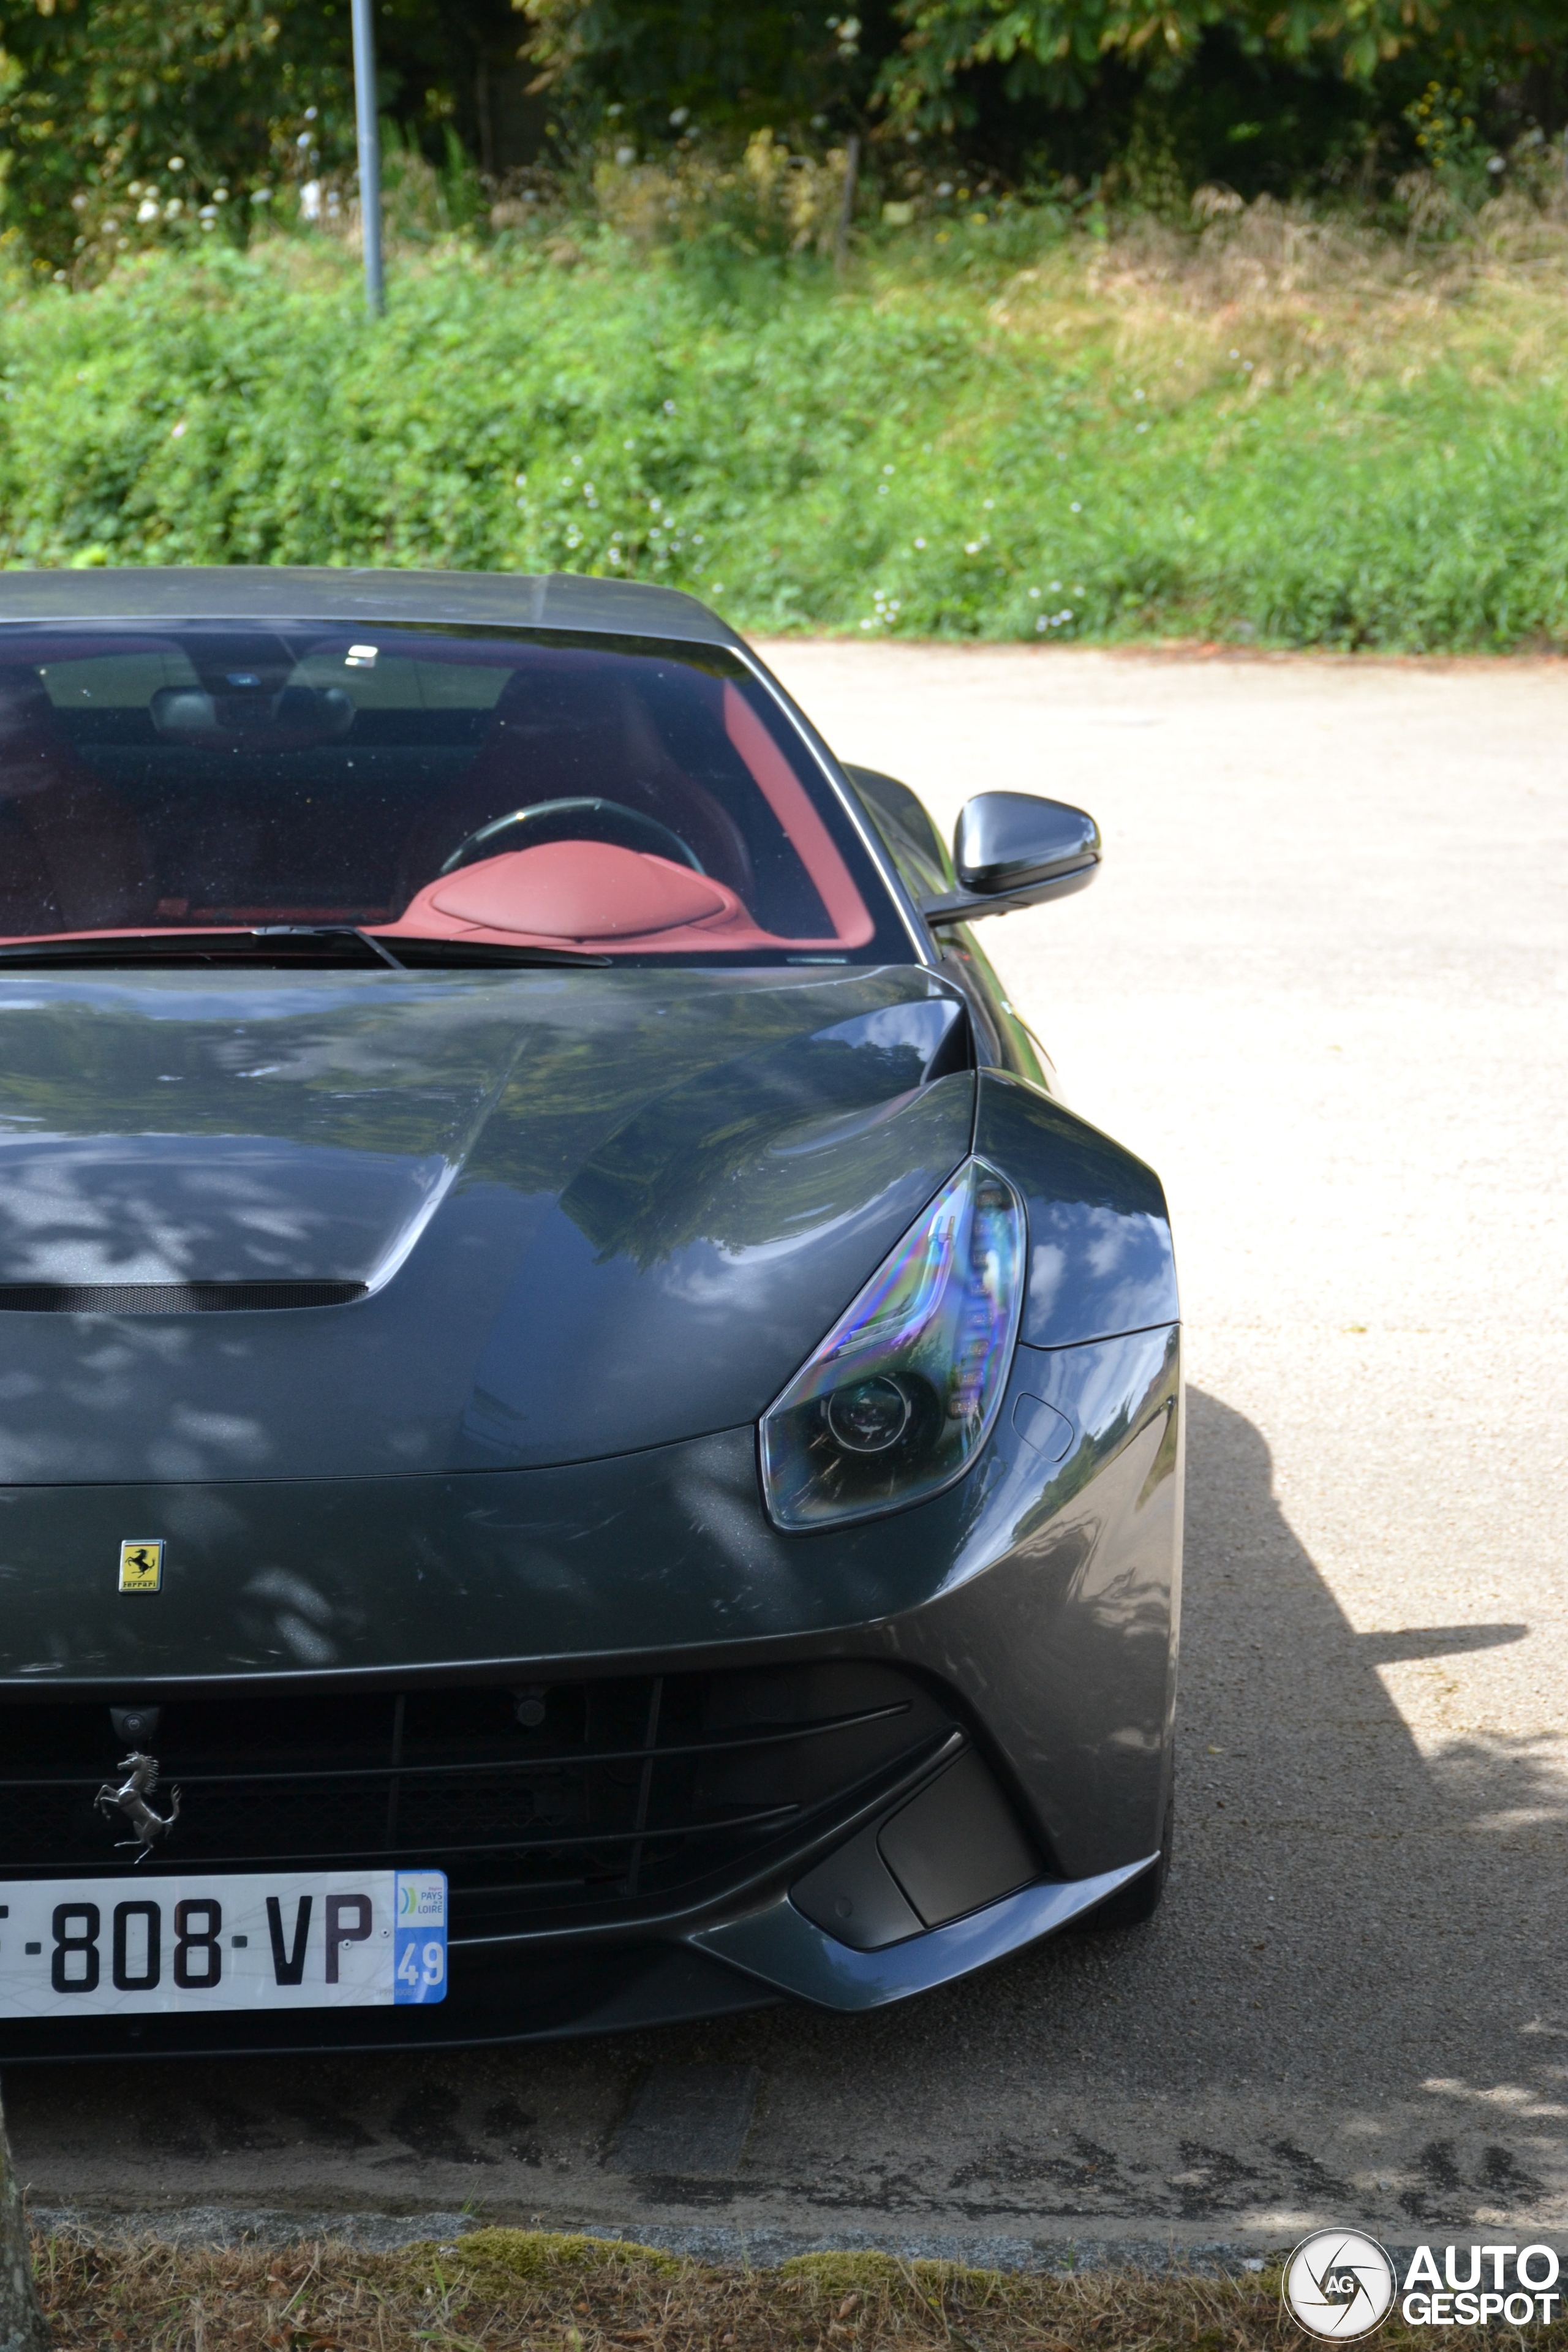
<point x="281" y="593"/>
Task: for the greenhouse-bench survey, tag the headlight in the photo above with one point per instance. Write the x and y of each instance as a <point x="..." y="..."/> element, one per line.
<point x="900" y="1396"/>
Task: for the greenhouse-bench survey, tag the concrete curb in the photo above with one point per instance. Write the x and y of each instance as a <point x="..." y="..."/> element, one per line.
<point x="227" y="2226"/>
<point x="219" y="2226"/>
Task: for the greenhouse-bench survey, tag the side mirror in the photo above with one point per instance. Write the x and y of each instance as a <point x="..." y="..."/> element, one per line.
<point x="1011" y="850"/>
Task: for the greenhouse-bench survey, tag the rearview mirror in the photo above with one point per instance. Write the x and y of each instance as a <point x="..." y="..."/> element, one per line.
<point x="299" y="715"/>
<point x="1012" y="849"/>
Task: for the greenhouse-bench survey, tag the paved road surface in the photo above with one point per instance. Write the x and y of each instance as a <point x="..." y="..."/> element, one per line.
<point x="1323" y="984"/>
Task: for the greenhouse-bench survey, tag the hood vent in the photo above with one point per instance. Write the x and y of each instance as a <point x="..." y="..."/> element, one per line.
<point x="170" y="1297"/>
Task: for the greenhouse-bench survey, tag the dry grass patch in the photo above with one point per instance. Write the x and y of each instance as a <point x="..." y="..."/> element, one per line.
<point x="1297" y="292"/>
<point x="504" y="2290"/>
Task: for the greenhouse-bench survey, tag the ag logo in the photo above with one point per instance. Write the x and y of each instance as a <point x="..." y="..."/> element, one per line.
<point x="140" y="1567"/>
<point x="1339" y="2285"/>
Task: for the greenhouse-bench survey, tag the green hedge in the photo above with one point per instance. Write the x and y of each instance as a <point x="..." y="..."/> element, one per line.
<point x="803" y="454"/>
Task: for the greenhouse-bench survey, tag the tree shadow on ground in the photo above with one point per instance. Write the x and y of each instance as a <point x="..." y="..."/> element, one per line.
<point x="1351" y="2005"/>
<point x="1360" y="1933"/>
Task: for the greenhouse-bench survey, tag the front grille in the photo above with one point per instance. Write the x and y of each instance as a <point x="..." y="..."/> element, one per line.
<point x="544" y="1805"/>
<point x="170" y="1297"/>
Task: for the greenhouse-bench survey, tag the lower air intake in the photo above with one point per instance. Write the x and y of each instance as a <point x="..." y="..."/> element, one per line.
<point x="545" y="1805"/>
<point x="170" y="1297"/>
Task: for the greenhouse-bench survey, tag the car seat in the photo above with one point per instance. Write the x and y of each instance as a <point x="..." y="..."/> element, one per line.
<point x="72" y="855"/>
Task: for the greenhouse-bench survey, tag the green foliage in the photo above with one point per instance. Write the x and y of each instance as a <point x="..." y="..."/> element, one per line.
<point x="657" y="62"/>
<point x="129" y="123"/>
<point x="138" y="112"/>
<point x="940" y="65"/>
<point x="716" y="211"/>
<point x="911" y="454"/>
<point x="1055" y="50"/>
<point x="103" y="95"/>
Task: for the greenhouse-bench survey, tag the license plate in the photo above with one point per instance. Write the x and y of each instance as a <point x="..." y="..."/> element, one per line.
<point x="301" y="1939"/>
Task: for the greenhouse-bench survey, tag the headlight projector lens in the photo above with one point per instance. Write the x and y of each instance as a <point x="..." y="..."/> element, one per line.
<point x="870" y="1417"/>
<point x="900" y="1396"/>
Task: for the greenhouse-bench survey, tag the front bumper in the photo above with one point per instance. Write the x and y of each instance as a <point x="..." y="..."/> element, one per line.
<point x="1031" y="1613"/>
<point x="792" y="1955"/>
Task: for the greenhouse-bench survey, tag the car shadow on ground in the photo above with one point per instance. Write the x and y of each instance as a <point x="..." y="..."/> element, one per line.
<point x="1351" y="2005"/>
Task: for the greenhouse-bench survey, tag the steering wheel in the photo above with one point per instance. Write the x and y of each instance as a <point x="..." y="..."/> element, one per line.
<point x="669" y="843"/>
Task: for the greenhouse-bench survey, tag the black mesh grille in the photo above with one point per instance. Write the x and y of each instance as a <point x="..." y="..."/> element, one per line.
<point x="606" y="1797"/>
<point x="170" y="1297"/>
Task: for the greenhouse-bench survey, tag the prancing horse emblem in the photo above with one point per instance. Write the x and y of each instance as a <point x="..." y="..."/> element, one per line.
<point x="131" y="1798"/>
<point x="140" y="1567"/>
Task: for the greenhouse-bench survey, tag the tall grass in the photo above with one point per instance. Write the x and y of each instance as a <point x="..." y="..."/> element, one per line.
<point x="1268" y="429"/>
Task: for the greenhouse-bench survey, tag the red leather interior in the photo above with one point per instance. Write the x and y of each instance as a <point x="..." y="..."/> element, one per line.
<point x="577" y="890"/>
<point x="567" y="722"/>
<point x="74" y="859"/>
<point x="812" y="842"/>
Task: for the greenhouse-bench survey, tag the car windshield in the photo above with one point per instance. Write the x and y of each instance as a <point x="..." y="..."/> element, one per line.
<point x="620" y="795"/>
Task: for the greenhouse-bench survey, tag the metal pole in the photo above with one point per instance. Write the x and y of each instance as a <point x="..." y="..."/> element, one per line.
<point x="847" y="200"/>
<point x="368" y="156"/>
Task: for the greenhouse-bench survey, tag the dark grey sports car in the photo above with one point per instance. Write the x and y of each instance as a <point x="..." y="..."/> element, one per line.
<point x="584" y="1440"/>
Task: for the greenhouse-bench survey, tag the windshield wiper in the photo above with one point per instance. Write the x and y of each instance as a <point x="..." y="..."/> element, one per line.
<point x="327" y="931"/>
<point x="251" y="943"/>
<point x="415" y="948"/>
<point x="227" y="946"/>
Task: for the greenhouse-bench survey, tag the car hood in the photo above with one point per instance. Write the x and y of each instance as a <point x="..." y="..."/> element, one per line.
<point x="582" y="1211"/>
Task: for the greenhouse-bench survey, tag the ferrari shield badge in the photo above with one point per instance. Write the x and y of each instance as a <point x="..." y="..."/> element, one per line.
<point x="140" y="1567"/>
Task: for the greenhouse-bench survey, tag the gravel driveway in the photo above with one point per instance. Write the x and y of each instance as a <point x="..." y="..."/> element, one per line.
<point x="1323" y="984"/>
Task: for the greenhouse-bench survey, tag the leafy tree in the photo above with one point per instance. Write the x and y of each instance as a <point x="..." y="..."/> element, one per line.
<point x="1011" y="75"/>
<point x="112" y="109"/>
<point x="186" y="98"/>
<point x="190" y="95"/>
<point x="661" y="63"/>
<point x="1057" y="50"/>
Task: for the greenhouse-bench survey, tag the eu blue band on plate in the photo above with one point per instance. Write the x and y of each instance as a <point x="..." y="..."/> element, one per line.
<point x="419" y="1953"/>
